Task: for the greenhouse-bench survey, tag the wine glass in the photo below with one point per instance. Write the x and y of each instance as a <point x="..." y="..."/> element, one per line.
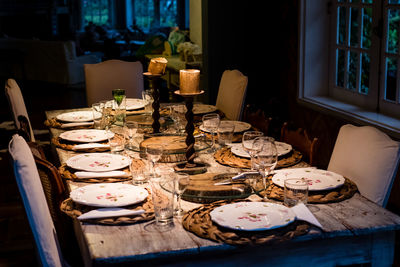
<point x="154" y="153"/>
<point x="211" y="123"/>
<point x="130" y="130"/>
<point x="247" y="144"/>
<point x="181" y="183"/>
<point x="266" y="158"/>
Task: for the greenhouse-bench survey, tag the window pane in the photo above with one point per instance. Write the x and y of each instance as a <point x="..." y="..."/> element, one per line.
<point x="367" y="1"/>
<point x="352" y="72"/>
<point x="394" y="1"/>
<point x="393" y="36"/>
<point x="391" y="79"/>
<point x="96" y="11"/>
<point x="341" y="25"/>
<point x="365" y="65"/>
<point x="366" y="31"/>
<point x="354" y="13"/>
<point x="340" y="67"/>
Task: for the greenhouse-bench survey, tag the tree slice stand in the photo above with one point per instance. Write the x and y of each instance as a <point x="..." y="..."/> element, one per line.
<point x="154" y="82"/>
<point x="190" y="167"/>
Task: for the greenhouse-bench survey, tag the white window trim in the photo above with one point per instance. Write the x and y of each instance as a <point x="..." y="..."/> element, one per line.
<point x="313" y="79"/>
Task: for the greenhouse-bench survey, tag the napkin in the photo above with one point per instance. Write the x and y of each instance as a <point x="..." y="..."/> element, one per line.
<point x="75" y="124"/>
<point x="89" y="145"/>
<point x="109" y="212"/>
<point x="82" y="174"/>
<point x="304" y="214"/>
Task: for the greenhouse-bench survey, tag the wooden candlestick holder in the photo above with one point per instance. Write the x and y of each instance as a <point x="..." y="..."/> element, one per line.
<point x="190" y="166"/>
<point x="154" y="82"/>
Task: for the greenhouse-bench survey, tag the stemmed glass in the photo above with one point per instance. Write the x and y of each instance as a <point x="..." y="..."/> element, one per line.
<point x="154" y="153"/>
<point x="266" y="158"/>
<point x="247" y="144"/>
<point x="211" y="123"/>
<point x="120" y="105"/>
<point x="181" y="183"/>
<point x="130" y="130"/>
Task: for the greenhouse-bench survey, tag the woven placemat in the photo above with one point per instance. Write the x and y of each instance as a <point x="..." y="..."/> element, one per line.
<point x="67" y="173"/>
<point x="225" y="156"/>
<point x="347" y="190"/>
<point x="58" y="142"/>
<point x="198" y="221"/>
<point x="54" y="123"/>
<point x="74" y="210"/>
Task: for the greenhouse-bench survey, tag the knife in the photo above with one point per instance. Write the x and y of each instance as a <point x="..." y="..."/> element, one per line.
<point x="236" y="177"/>
<point x="108" y="213"/>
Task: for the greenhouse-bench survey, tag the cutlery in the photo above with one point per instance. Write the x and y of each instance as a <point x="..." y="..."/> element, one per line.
<point x="108" y="213"/>
<point x="74" y="124"/>
<point x="236" y="177"/>
<point x="85" y="174"/>
<point x="89" y="145"/>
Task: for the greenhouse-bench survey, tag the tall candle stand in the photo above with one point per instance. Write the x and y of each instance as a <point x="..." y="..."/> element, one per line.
<point x="190" y="166"/>
<point x="154" y="82"/>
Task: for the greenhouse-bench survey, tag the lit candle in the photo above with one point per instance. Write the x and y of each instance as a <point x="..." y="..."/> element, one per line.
<point x="189" y="81"/>
<point x="157" y="65"/>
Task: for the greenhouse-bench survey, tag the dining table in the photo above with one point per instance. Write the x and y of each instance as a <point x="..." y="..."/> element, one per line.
<point x="353" y="231"/>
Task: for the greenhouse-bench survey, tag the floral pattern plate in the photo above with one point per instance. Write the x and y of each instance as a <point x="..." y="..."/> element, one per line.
<point x="109" y="195"/>
<point x="98" y="162"/>
<point x="78" y="116"/>
<point x="240" y="126"/>
<point x="317" y="179"/>
<point x="252" y="216"/>
<point x="237" y="149"/>
<point x="197" y="109"/>
<point x="85" y="136"/>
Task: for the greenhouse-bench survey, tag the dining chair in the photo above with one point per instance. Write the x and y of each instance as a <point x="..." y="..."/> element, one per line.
<point x="31" y="190"/>
<point x="368" y="157"/>
<point x="101" y="78"/>
<point x="231" y="94"/>
<point x="300" y="141"/>
<point x="18" y="109"/>
<point x="257" y="119"/>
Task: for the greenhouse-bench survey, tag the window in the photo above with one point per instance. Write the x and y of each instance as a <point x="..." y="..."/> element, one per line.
<point x="97" y="11"/>
<point x="350" y="59"/>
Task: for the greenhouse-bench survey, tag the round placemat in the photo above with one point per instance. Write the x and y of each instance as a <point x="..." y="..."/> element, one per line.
<point x="225" y="156"/>
<point x="198" y="221"/>
<point x="347" y="190"/>
<point x="58" y="142"/>
<point x="54" y="123"/>
<point x="67" y="173"/>
<point x="74" y="210"/>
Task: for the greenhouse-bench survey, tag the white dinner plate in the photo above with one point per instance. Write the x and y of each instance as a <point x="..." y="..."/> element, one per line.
<point x="237" y="149"/>
<point x="78" y="116"/>
<point x="317" y="179"/>
<point x="252" y="216"/>
<point x="109" y="195"/>
<point x="85" y="135"/>
<point x="135" y="103"/>
<point x="240" y="126"/>
<point x="197" y="109"/>
<point x="98" y="162"/>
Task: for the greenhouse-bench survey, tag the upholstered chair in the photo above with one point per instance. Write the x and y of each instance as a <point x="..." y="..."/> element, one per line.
<point x="103" y="77"/>
<point x="368" y="157"/>
<point x="231" y="94"/>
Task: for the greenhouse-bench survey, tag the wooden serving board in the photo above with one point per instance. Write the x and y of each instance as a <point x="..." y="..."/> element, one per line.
<point x="174" y="147"/>
<point x="201" y="188"/>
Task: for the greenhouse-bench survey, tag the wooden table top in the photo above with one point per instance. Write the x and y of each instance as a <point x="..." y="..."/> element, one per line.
<point x="353" y="225"/>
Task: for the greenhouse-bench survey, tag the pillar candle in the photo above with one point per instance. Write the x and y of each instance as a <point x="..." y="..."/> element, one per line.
<point x="189" y="81"/>
<point x="157" y="65"/>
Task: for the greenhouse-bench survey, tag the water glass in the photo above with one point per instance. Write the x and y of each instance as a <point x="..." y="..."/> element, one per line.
<point x="163" y="200"/>
<point x="181" y="183"/>
<point x="211" y="123"/>
<point x="97" y="109"/>
<point x="116" y="139"/>
<point x="130" y="130"/>
<point x="139" y="175"/>
<point x="225" y="134"/>
<point x="295" y="191"/>
<point x="107" y="115"/>
<point x="148" y="98"/>
<point x="247" y="144"/>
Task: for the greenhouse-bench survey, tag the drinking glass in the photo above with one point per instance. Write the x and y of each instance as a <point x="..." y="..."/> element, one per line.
<point x="178" y="118"/>
<point x="119" y="106"/>
<point x="295" y="191"/>
<point x="247" y="144"/>
<point x="211" y="123"/>
<point x="225" y="133"/>
<point x="108" y="117"/>
<point x="153" y="154"/>
<point x="116" y="139"/>
<point x="181" y="183"/>
<point x="266" y="158"/>
<point x="139" y="175"/>
<point x="97" y="109"/>
<point x="163" y="200"/>
<point x="130" y="130"/>
<point x="148" y="98"/>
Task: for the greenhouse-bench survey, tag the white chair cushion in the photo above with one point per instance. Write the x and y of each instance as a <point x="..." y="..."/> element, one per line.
<point x="103" y="77"/>
<point x="17" y="104"/>
<point x="231" y="94"/>
<point x="368" y="157"/>
<point x="34" y="200"/>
